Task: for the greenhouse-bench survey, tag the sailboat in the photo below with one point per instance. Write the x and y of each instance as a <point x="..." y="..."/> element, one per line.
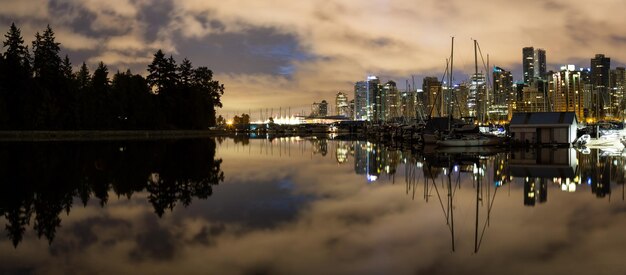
<point x="455" y="139"/>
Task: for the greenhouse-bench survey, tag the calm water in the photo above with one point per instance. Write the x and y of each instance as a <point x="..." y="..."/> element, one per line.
<point x="307" y="206"/>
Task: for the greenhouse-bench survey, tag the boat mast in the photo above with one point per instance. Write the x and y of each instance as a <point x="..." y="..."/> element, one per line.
<point x="450" y="85"/>
<point x="475" y="78"/>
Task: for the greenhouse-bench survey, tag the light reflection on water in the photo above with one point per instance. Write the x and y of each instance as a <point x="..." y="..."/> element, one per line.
<point x="305" y="205"/>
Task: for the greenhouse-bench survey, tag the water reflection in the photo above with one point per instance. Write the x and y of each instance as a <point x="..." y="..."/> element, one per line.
<point x="309" y="205"/>
<point x="41" y="180"/>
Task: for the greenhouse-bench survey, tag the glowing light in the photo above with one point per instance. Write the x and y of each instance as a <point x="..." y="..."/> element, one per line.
<point x="229" y="122"/>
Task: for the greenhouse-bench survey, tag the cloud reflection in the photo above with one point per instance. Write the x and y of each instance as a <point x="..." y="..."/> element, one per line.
<point x="333" y="224"/>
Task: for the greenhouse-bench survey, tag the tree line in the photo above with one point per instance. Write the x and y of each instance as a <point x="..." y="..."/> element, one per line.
<point x="40" y="91"/>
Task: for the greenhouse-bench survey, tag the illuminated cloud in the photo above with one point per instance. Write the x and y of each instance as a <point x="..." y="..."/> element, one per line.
<point x="329" y="44"/>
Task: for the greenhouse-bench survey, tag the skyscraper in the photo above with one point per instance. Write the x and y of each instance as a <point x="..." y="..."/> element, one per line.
<point x="600" y="67"/>
<point x="503" y="95"/>
<point x="475" y="103"/>
<point x="341" y="105"/>
<point x="533" y="64"/>
<point x="367" y="99"/>
<point x="502" y="86"/>
<point x="323" y="108"/>
<point x="434" y="104"/>
<point x="566" y="91"/>
<point x="391" y="101"/>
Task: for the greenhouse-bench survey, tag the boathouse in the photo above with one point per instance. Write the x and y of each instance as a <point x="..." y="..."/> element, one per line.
<point x="554" y="128"/>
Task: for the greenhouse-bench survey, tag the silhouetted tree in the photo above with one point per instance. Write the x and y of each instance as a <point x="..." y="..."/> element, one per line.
<point x="15" y="76"/>
<point x="42" y="92"/>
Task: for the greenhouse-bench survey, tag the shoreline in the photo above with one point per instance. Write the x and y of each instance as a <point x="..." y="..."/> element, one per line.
<point x="105" y="135"/>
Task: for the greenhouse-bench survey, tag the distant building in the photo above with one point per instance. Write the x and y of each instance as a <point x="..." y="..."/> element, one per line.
<point x="617" y="86"/>
<point x="391" y="101"/>
<point x="476" y="104"/>
<point x="600" y="67"/>
<point x="502" y="86"/>
<point x="533" y="64"/>
<point x="367" y="99"/>
<point x="501" y="102"/>
<point x="319" y="109"/>
<point x="432" y="89"/>
<point x="342" y="107"/>
<point x="566" y="91"/>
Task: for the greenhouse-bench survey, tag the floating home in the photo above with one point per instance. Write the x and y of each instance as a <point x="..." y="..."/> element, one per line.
<point x="545" y="128"/>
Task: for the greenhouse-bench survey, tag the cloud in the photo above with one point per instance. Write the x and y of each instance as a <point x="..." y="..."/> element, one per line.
<point x="74" y="41"/>
<point x="24" y="9"/>
<point x="316" y="48"/>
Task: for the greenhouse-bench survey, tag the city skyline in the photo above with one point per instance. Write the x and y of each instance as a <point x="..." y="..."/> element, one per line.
<point x="291" y="54"/>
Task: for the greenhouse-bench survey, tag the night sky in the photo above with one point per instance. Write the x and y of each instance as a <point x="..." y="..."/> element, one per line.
<point x="286" y="53"/>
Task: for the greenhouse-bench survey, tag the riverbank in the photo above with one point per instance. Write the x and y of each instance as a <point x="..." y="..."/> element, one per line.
<point x="106" y="135"/>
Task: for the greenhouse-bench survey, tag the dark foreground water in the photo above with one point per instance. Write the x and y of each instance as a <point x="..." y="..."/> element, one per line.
<point x="307" y="206"/>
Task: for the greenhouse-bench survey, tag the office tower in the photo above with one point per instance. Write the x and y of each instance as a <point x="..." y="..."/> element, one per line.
<point x="315" y="109"/>
<point x="566" y="91"/>
<point x="502" y="86"/>
<point x="433" y="90"/>
<point x="600" y="67"/>
<point x="503" y="95"/>
<point x="341" y="105"/>
<point x="367" y="99"/>
<point x="391" y="101"/>
<point x="476" y="104"/>
<point x="533" y="64"/>
<point x="323" y="108"/>
<point x="617" y="83"/>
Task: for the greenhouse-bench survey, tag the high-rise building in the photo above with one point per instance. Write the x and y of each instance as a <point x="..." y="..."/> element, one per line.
<point x="617" y="85"/>
<point x="341" y="105"/>
<point x="600" y="67"/>
<point x="566" y="91"/>
<point x="391" y="101"/>
<point x="367" y="99"/>
<point x="319" y="109"/>
<point x="315" y="109"/>
<point x="323" y="108"/>
<point x="432" y="89"/>
<point x="476" y="104"/>
<point x="533" y="64"/>
<point x="503" y="95"/>
<point x="502" y="86"/>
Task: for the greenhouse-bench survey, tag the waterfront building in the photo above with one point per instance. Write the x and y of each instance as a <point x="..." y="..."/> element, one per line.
<point x="533" y="64"/>
<point x="600" y="67"/>
<point x="342" y="107"/>
<point x="565" y="91"/>
<point x="544" y="128"/>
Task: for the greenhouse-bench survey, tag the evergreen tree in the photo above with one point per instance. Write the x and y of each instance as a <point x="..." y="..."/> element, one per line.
<point x="83" y="77"/>
<point x="162" y="73"/>
<point x="185" y="72"/>
<point x="15" y="79"/>
<point x="100" y="85"/>
<point x="46" y="61"/>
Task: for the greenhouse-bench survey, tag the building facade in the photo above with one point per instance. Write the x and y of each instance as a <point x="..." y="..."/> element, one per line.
<point x="367" y="98"/>
<point x="566" y="91"/>
<point x="533" y="64"/>
<point x="342" y="107"/>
